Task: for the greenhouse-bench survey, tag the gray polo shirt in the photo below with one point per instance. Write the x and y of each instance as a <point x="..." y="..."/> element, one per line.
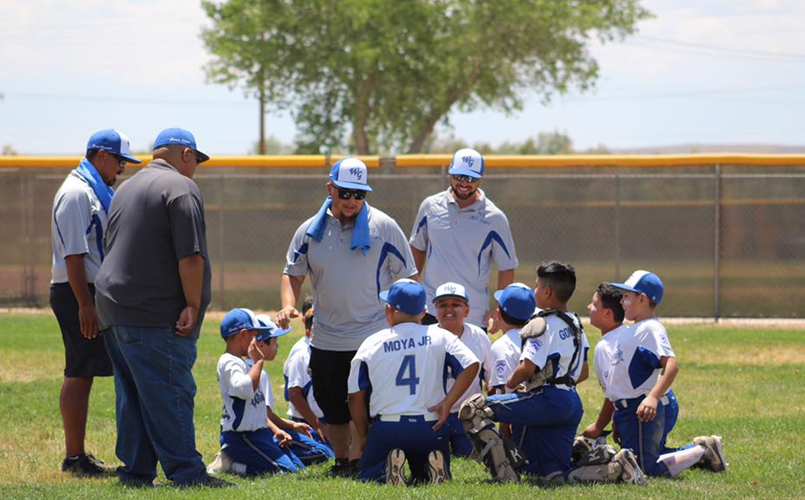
<point x="156" y="219"/>
<point x="76" y="226"/>
<point x="346" y="283"/>
<point x="461" y="245"/>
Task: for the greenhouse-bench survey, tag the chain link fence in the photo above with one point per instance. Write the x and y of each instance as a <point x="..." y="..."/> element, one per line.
<point x="727" y="240"/>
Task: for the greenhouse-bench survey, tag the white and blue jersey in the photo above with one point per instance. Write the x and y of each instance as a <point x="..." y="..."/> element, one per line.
<point x="78" y="222"/>
<point x="480" y="345"/>
<point x="406" y="367"/>
<point x="345" y="282"/>
<point x="244" y="407"/>
<point x="556" y="346"/>
<point x="461" y="244"/>
<point x="627" y="360"/>
<point x="297" y="375"/>
<point x="505" y="354"/>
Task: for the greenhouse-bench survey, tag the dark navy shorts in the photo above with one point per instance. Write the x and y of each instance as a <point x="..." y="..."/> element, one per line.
<point x="329" y="371"/>
<point x="83" y="357"/>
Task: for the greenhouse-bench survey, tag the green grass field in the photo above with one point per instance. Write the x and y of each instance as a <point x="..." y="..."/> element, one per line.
<point x="742" y="383"/>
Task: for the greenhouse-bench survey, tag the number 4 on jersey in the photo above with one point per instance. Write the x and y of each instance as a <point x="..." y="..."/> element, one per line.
<point x="407" y="374"/>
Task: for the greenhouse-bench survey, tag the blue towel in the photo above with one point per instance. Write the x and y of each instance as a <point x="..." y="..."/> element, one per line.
<point x="360" y="232"/>
<point x="89" y="173"/>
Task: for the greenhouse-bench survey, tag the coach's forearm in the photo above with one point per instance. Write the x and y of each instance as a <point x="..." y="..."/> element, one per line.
<point x="419" y="259"/>
<point x="191" y="272"/>
<point x="505" y="278"/>
<point x="290" y="289"/>
<point x="77" y="277"/>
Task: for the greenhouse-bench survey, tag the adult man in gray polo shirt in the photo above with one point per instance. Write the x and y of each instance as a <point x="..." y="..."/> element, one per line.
<point x="153" y="290"/>
<point x="352" y="252"/>
<point x="460" y="233"/>
<point x="78" y="223"/>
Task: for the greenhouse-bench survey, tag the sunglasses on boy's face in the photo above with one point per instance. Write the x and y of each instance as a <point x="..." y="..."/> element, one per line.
<point x="346" y="194"/>
<point x="465" y="178"/>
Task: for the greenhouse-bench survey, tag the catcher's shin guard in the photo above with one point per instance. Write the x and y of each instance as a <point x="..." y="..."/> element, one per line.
<point x="500" y="456"/>
<point x="601" y="473"/>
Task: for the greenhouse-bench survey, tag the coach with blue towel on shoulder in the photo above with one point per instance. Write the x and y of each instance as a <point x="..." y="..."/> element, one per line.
<point x="352" y="252"/>
<point x="78" y="222"/>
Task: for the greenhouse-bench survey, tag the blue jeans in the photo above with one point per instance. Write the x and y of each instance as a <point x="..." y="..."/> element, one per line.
<point x="154" y="389"/>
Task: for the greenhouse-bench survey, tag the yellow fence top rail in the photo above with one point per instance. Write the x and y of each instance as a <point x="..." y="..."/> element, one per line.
<point x="492" y="161"/>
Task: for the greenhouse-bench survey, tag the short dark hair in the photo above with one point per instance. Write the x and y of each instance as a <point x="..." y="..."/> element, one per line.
<point x="559" y="277"/>
<point x="611" y="299"/>
<point x="512" y="321"/>
<point x="91" y="154"/>
<point x="307" y="304"/>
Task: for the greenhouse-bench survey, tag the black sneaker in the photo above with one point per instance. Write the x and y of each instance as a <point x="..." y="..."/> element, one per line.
<point x="86" y="465"/>
<point x="342" y="468"/>
<point x="207" y="481"/>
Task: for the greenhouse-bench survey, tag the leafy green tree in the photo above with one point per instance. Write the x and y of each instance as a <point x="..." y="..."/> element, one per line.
<point x="379" y="75"/>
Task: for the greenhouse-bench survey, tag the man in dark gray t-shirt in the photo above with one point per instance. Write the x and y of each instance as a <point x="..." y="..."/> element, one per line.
<point x="152" y="291"/>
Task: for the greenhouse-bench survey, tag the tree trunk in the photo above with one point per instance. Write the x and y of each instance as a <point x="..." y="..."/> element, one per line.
<point x="362" y="112"/>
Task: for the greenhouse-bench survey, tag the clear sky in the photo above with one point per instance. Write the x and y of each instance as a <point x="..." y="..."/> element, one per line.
<point x="714" y="71"/>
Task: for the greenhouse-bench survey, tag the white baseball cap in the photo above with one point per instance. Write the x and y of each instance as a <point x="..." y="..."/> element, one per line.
<point x="350" y="173"/>
<point x="451" y="290"/>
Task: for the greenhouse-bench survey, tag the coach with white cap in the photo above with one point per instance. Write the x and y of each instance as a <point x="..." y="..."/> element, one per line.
<point x="153" y="290"/>
<point x="458" y="234"/>
<point x="78" y="223"/>
<point x="352" y="252"/>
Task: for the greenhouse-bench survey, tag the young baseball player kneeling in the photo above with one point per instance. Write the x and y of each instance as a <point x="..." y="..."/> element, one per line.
<point x="545" y="409"/>
<point x="253" y="439"/>
<point x="452" y="306"/>
<point x="637" y="368"/>
<point x="402" y="368"/>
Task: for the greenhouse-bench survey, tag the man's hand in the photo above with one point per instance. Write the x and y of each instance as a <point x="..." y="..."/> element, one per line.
<point x="303" y="428"/>
<point x="647" y="410"/>
<point x="88" y="319"/>
<point x="285" y="316"/>
<point x="321" y="430"/>
<point x="443" y="410"/>
<point x="283" y="438"/>
<point x="187" y="321"/>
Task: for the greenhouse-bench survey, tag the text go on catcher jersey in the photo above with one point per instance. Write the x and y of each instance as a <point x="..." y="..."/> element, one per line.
<point x="556" y="346"/>
<point x="406" y="367"/>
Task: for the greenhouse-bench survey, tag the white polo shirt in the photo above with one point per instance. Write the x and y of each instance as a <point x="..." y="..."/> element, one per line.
<point x="406" y="367"/>
<point x="296" y="375"/>
<point x="77" y="224"/>
<point x="627" y="360"/>
<point x="556" y="346"/>
<point x="480" y="345"/>
<point x="461" y="245"/>
<point x="345" y="282"/>
<point x="244" y="407"/>
<point x="505" y="357"/>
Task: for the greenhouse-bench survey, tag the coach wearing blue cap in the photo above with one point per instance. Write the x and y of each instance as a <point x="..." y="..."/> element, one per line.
<point x="458" y="234"/>
<point x="78" y="224"/>
<point x="153" y="290"/>
<point x="352" y="252"/>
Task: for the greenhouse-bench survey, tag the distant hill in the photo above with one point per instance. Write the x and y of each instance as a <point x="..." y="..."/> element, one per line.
<point x="713" y="148"/>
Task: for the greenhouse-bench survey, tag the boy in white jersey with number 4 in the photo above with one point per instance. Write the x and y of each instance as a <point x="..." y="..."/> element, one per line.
<point x="641" y="368"/>
<point x="400" y="372"/>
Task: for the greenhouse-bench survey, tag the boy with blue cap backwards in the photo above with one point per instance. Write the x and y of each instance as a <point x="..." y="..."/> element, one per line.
<point x="253" y="439"/>
<point x="399" y="371"/>
<point x="643" y="367"/>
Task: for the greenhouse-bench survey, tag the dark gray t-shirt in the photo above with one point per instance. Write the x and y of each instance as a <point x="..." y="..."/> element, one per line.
<point x="155" y="220"/>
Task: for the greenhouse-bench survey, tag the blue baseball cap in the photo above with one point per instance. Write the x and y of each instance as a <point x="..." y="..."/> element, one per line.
<point x="643" y="282"/>
<point x="405" y="295"/>
<point x="112" y="141"/>
<point x="350" y="173"/>
<point x="240" y="319"/>
<point x="273" y="330"/>
<point x="517" y="300"/>
<point x="467" y="161"/>
<point x="451" y="290"/>
<point x="179" y="137"/>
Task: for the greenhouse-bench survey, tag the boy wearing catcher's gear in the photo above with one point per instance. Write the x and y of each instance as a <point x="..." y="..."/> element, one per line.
<point x="402" y="368"/>
<point x="549" y="413"/>
<point x="638" y="366"/>
<point x="254" y="440"/>
<point x="452" y="305"/>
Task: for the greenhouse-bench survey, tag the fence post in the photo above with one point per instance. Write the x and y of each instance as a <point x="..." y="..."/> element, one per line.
<point x="29" y="273"/>
<point x="717" y="243"/>
<point x="617" y="227"/>
<point x="221" y="255"/>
